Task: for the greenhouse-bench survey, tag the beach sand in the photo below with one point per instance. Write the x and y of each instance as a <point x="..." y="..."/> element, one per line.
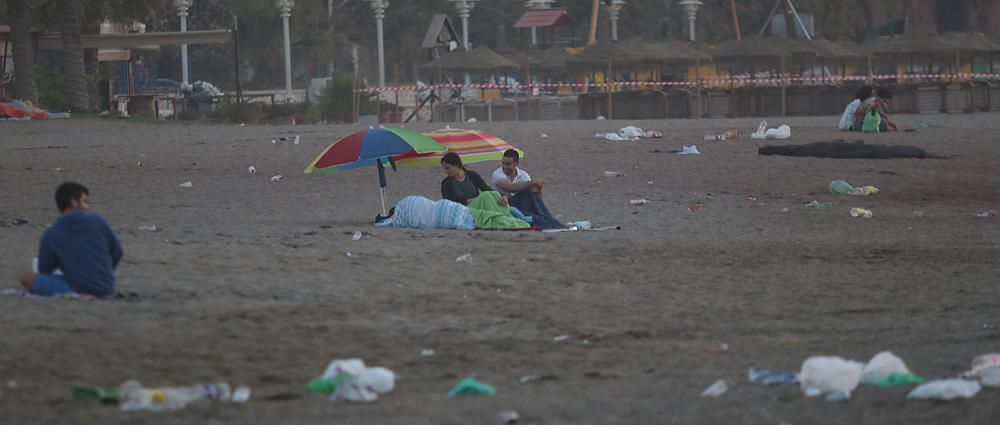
<point x="248" y="281"/>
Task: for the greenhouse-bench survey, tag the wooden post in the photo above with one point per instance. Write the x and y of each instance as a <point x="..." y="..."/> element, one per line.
<point x="607" y="79"/>
<point x="697" y="85"/>
<point x="736" y="20"/>
<point x="527" y="71"/>
<point x="593" y="22"/>
<point x="781" y="75"/>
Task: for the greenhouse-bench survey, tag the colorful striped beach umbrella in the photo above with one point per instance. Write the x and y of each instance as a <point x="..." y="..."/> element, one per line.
<point x="473" y="146"/>
<point x="374" y="146"/>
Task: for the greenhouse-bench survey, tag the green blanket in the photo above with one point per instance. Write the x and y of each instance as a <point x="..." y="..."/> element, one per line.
<point x="489" y="214"/>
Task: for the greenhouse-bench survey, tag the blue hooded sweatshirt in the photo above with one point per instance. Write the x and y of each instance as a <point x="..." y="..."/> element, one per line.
<point x="82" y="245"/>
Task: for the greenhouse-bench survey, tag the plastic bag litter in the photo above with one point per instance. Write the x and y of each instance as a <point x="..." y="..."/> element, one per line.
<point x="689" y="150"/>
<point x="986" y="368"/>
<point x="362" y="383"/>
<point x="829" y="375"/>
<point x="763" y="133"/>
<point x="881" y="366"/>
<point x="716" y="389"/>
<point x="945" y="389"/>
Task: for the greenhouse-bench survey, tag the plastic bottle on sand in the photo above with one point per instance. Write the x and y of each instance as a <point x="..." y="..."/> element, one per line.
<point x="135" y="397"/>
<point x="861" y="212"/>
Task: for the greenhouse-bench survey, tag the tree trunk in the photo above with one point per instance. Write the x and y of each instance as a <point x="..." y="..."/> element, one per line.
<point x="24" y="59"/>
<point x="74" y="72"/>
<point x="921" y="16"/>
<point x="992" y="26"/>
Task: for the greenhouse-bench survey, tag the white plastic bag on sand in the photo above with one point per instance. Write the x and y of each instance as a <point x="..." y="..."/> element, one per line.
<point x="829" y="374"/>
<point x="780" y="133"/>
<point x="631" y="132"/>
<point x="366" y="383"/>
<point x="614" y="137"/>
<point x="945" y="389"/>
<point x="881" y="366"/>
<point x="716" y="389"/>
<point x="986" y="368"/>
<point x="689" y="150"/>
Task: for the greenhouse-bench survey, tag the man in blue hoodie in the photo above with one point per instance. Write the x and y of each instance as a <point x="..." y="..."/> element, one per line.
<point x="81" y="244"/>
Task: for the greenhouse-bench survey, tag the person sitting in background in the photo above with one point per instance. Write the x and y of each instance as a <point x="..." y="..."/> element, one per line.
<point x="880" y="104"/>
<point x="847" y="119"/>
<point x="81" y="245"/>
<point x="522" y="192"/>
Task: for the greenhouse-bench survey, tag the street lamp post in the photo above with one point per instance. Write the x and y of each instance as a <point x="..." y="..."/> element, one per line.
<point x="379" y="6"/>
<point x="613" y="9"/>
<point x="285" y="6"/>
<point x="537" y="5"/>
<point x="464" y="8"/>
<point x="691" y="7"/>
<point x="182" y="12"/>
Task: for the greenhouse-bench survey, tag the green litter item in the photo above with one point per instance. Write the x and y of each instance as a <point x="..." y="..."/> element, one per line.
<point x="841" y="187"/>
<point x="896" y="379"/>
<point x="106" y="395"/>
<point x="929" y="125"/>
<point x="327" y="385"/>
<point x="472" y="387"/>
<point x="820" y="205"/>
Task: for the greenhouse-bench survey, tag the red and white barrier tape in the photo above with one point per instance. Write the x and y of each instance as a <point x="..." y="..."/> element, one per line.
<point x="734" y="80"/>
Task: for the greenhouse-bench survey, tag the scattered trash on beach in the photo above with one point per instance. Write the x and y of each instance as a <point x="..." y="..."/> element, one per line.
<point x="297" y="138"/>
<point x="186" y="184"/>
<point x="274" y="142"/>
<point x="819" y="205"/>
<point x="357" y="235"/>
<point x="151" y="228"/>
<point x="470" y="386"/>
<point x="986" y="368"/>
<point x="138" y="164"/>
<point x="464" y="258"/>
<point x="830" y="375"/>
<point x="726" y="135"/>
<point x="614" y="174"/>
<point x="600" y="118"/>
<point x="898" y="379"/>
<point x="241" y="394"/>
<point x="861" y="212"/>
<point x="639" y="201"/>
<point x="276" y="178"/>
<point x="133" y="396"/>
<point x="945" y="389"/>
<point x="751" y="198"/>
<point x="767" y="377"/>
<point x="427" y="352"/>
<point x="987" y="214"/>
<point x="252" y="170"/>
<point x="509" y="417"/>
<point x="695" y="206"/>
<point x="844" y="188"/>
<point x="881" y="366"/>
<point x="560" y="338"/>
<point x="350" y="254"/>
<point x="351" y="380"/>
<point x="17" y="222"/>
<point x="544" y="136"/>
<point x="473" y="119"/>
<point x="532" y="378"/>
<point x="716" y="389"/>
<point x="689" y="150"/>
<point x="780" y="133"/>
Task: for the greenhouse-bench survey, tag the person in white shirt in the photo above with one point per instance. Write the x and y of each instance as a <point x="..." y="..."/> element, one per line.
<point x="523" y="192"/>
<point x="509" y="180"/>
<point x="847" y="119"/>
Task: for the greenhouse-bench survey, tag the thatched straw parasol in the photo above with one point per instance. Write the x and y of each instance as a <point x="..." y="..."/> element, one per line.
<point x="971" y="42"/>
<point x="552" y="60"/>
<point x="600" y="54"/>
<point x="748" y="48"/>
<point x="480" y="59"/>
<point x="530" y="55"/>
<point x="833" y="50"/>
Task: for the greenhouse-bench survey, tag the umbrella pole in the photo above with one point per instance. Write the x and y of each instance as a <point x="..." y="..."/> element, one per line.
<point x="381" y="183"/>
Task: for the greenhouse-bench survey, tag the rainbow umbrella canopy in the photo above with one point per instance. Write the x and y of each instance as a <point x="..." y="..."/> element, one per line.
<point x="374" y="146"/>
<point x="471" y="145"/>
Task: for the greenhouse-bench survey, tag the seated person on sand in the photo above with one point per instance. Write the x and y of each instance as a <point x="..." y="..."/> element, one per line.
<point x="462" y="185"/>
<point x="522" y="192"/>
<point x="484" y="212"/>
<point x="847" y="118"/>
<point x="81" y="245"/>
<point x="880" y="103"/>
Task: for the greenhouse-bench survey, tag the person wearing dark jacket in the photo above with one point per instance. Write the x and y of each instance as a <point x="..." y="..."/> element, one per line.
<point x="461" y="185"/>
<point x="81" y="245"/>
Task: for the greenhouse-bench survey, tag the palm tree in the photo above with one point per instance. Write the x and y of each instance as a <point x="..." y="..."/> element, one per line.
<point x="19" y="13"/>
<point x="69" y="17"/>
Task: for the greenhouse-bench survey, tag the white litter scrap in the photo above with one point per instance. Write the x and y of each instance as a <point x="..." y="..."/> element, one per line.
<point x="365" y="383"/>
<point x="881" y="366"/>
<point x="945" y="389"/>
<point x="829" y="375"/>
<point x="276" y="178"/>
<point x="716" y="389"/>
<point x="186" y="184"/>
<point x="763" y="133"/>
<point x="252" y="170"/>
<point x="357" y="235"/>
<point x="689" y="150"/>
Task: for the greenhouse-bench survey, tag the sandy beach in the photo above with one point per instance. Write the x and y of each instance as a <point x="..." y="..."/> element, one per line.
<point x="248" y="281"/>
